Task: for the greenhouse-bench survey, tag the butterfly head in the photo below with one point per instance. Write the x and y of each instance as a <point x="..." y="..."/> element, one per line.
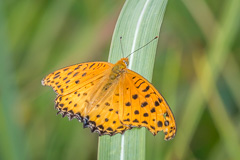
<point x="124" y="61"/>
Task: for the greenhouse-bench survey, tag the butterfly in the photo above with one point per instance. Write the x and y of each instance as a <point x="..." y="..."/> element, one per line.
<point x="110" y="98"/>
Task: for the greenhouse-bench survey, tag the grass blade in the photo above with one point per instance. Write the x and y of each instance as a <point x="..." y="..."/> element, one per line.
<point x="139" y="22"/>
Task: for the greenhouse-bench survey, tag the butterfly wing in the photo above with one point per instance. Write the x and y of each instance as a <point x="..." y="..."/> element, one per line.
<point x="77" y="86"/>
<point x="143" y="105"/>
<point x="105" y="115"/>
<point x="69" y="79"/>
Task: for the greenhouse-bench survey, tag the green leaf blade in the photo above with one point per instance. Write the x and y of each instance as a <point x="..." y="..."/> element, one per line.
<point x="138" y="23"/>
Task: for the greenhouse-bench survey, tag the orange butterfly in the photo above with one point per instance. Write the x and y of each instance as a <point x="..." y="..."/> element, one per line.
<point x="109" y="98"/>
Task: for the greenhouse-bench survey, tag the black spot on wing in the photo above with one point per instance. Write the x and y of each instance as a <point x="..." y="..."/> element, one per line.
<point x="56" y="76"/>
<point x="160" y="101"/>
<point x="128" y="104"/>
<point x="67" y="81"/>
<point x="126" y="120"/>
<point x="109" y="129"/>
<point x="145" y="114"/>
<point x="146" y="89"/>
<point x="152" y="127"/>
<point x="144" y="104"/>
<point x="107" y="104"/>
<point x="75" y="74"/>
<point x="145" y="122"/>
<point x="159" y="123"/>
<point x="156" y="103"/>
<point x="101" y="127"/>
<point x="153" y="110"/>
<point x="92" y="65"/>
<point x="77" y="81"/>
<point x="166" y="123"/>
<point x="120" y="127"/>
<point x="147" y="96"/>
<point x="85" y="67"/>
<point x="136" y="121"/>
<point x="135" y="96"/>
<point x="136" y="112"/>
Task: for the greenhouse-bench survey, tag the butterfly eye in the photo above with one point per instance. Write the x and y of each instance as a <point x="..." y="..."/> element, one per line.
<point x="126" y="62"/>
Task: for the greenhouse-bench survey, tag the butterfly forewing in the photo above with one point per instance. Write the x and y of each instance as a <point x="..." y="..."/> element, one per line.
<point x="69" y="79"/>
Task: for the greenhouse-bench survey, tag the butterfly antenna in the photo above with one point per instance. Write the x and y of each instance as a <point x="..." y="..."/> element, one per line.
<point x="121" y="46"/>
<point x="142" y="46"/>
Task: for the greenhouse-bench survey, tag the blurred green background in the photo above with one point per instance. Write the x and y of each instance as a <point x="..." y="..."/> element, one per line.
<point x="197" y="69"/>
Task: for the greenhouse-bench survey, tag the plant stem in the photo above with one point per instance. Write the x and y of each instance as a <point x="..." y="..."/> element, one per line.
<point x="138" y="23"/>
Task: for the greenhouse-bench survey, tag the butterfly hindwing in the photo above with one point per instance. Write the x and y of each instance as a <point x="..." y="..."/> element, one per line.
<point x="105" y="115"/>
<point x="144" y="106"/>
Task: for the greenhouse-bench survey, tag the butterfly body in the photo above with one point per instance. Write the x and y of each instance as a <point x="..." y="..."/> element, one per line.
<point x="110" y="99"/>
<point x="116" y="71"/>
